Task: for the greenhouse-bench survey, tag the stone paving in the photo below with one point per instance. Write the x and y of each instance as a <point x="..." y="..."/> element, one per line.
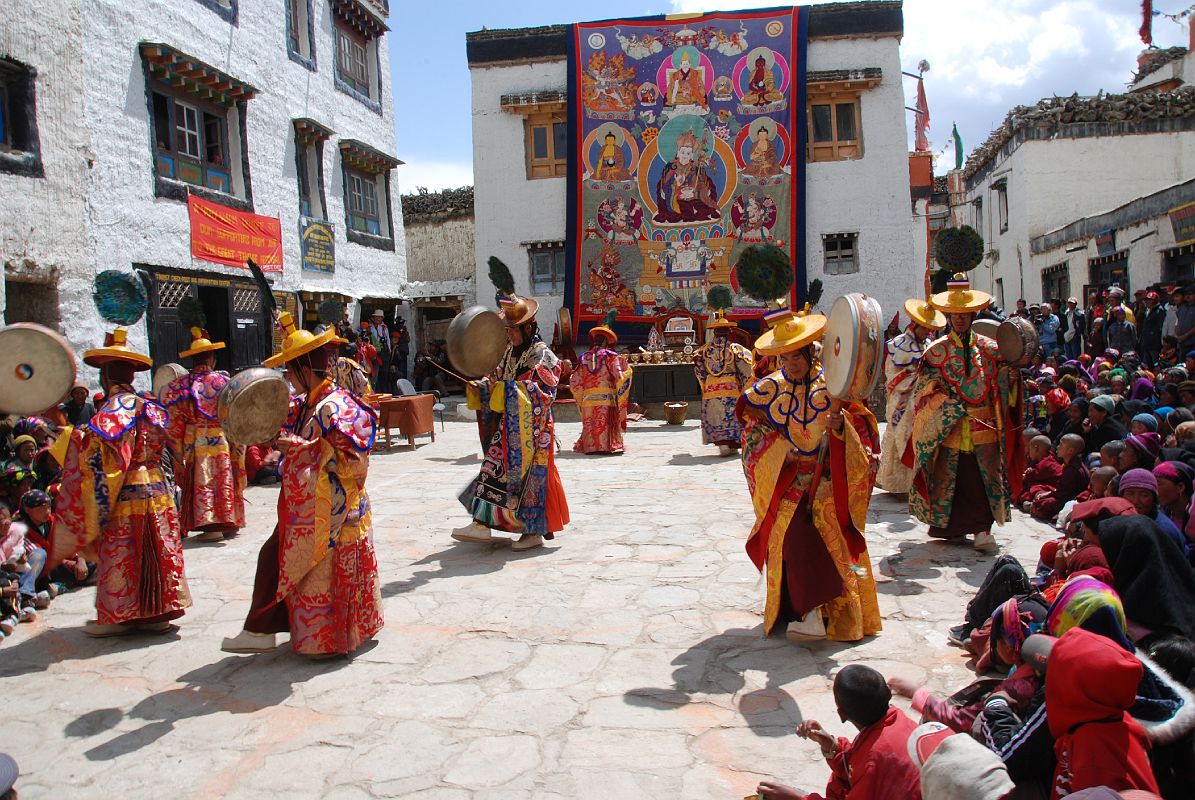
<point x="624" y="660"/>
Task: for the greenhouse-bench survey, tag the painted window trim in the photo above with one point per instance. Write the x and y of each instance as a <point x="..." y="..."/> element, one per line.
<point x="229" y="13"/>
<point x="373" y="105"/>
<point x="359" y="237"/>
<point x="26" y="162"/>
<point x="309" y="62"/>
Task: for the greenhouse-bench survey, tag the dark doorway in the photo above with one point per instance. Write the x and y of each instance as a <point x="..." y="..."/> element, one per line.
<point x="31" y="302"/>
<point x="214" y="301"/>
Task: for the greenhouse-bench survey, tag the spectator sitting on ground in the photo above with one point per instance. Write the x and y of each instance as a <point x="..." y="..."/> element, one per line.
<point x="1102" y="426"/>
<point x="24" y="449"/>
<point x="1143" y="423"/>
<point x="1175" y="482"/>
<point x="1072" y="481"/>
<point x="1140" y="487"/>
<point x="876" y="765"/>
<point x="956" y="767"/>
<point x="78" y="408"/>
<point x="36" y="516"/>
<point x="1141" y="450"/>
<point x="261" y="464"/>
<point x="1042" y="474"/>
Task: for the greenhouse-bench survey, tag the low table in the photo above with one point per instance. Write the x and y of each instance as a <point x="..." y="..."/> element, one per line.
<point x="413" y="415"/>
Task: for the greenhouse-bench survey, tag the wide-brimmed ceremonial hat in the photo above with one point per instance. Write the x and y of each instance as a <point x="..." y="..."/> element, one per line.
<point x="116" y="348"/>
<point x="201" y="343"/>
<point x="790" y="331"/>
<point x="924" y="314"/>
<point x="605" y="331"/>
<point x="298" y="342"/>
<point x="720" y="321"/>
<point x="959" y="297"/>
<point x="516" y="310"/>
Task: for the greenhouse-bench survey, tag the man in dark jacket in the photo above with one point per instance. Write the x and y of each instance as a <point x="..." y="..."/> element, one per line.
<point x="1072" y="328"/>
<point x="78" y="409"/>
<point x="1153" y="318"/>
<point x="1101" y="425"/>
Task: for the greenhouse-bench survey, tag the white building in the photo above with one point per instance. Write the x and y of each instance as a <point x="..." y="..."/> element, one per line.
<point x="857" y="194"/>
<point x="282" y="109"/>
<point x="1068" y="160"/>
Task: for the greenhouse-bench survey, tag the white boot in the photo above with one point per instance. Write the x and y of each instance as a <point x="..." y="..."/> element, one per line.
<point x="473" y="532"/>
<point x="528" y="541"/>
<point x="985" y="542"/>
<point x="249" y="642"/>
<point x="808" y="627"/>
<point x="210" y="536"/>
<point x="724" y="450"/>
<point x="94" y="628"/>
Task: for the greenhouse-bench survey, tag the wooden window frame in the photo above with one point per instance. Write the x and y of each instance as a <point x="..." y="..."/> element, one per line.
<point x="559" y="270"/>
<point x="555" y="165"/>
<point x="359" y="210"/>
<point x="836" y="95"/>
<point x="210" y="171"/>
<point x="1002" y="205"/>
<point x="358" y="82"/>
<point x="833" y="259"/>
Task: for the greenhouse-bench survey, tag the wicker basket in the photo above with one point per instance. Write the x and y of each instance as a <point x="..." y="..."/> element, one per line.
<point x="675" y="413"/>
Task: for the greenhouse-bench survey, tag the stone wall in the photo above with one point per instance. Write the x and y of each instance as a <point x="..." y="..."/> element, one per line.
<point x="440" y="250"/>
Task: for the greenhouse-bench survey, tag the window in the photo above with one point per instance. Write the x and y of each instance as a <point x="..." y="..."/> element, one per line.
<point x="358" y="26"/>
<point x="977" y="207"/>
<point x="547" y="145"/>
<point x="547" y="270"/>
<point x="840" y="253"/>
<point x="304" y="176"/>
<point x="351" y="61"/>
<point x="363" y="203"/>
<point x="196" y="154"/>
<point x="20" y="149"/>
<point x="1001" y="188"/>
<point x="309" y="166"/>
<point x="300" y="45"/>
<point x="834" y="128"/>
<point x="226" y="9"/>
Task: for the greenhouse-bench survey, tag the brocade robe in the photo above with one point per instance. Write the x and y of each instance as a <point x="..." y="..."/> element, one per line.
<point x="601" y="385"/>
<point x="724" y="371"/>
<point x="902" y="355"/>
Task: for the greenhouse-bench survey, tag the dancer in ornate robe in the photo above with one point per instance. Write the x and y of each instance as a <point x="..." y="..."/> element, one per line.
<point x="967" y="449"/>
<point x="114" y="505"/>
<point x="317" y="575"/>
<point x="724" y="370"/>
<point x="519" y="488"/>
<point x="601" y="385"/>
<point x="902" y="355"/>
<point x="809" y="514"/>
<point x="211" y="477"/>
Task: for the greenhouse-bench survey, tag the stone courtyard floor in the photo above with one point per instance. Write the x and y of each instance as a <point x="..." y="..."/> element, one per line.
<point x="624" y="660"/>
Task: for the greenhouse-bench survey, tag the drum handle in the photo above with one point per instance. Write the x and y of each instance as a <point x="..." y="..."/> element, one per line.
<point x="822" y="448"/>
<point x="450" y="372"/>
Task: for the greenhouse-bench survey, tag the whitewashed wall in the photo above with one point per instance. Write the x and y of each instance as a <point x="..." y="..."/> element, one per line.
<point x="127" y="224"/>
<point x="869" y="196"/>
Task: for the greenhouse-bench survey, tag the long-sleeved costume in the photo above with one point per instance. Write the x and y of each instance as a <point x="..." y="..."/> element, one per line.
<point x="601" y="385"/>
<point x="902" y="355"/>
<point x="966" y="442"/>
<point x="317" y="575"/>
<point x="876" y="765"/>
<point x="519" y="488"/>
<point x="811" y="548"/>
<point x="211" y="477"/>
<point x="115" y="506"/>
<point x="724" y="371"/>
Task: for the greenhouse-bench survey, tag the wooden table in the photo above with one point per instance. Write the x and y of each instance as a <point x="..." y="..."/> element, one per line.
<point x="413" y="416"/>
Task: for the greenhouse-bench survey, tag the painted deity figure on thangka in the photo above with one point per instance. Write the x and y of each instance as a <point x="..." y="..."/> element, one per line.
<point x="966" y="448"/>
<point x="317" y="574"/>
<point x="808" y="464"/>
<point x="519" y="489"/>
<point x="211" y="477"/>
<point x="685" y="191"/>
<point x="115" y="506"/>
<point x="902" y="356"/>
<point x="601" y="385"/>
<point x="723" y="369"/>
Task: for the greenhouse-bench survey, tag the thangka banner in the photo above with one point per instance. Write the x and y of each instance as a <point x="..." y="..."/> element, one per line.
<point x="688" y="140"/>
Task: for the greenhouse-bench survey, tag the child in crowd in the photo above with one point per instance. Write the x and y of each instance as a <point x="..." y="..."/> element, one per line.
<point x="1072" y="481"/>
<point x="876" y="765"/>
<point x="1168" y="354"/>
<point x="1141" y="450"/>
<point x="1110" y="454"/>
<point x="1043" y="473"/>
<point x="1142" y="423"/>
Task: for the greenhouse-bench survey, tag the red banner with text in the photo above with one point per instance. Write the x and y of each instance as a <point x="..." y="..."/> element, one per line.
<point x="226" y="236"/>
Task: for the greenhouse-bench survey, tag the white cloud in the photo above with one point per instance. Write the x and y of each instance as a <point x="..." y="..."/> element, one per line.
<point x="987" y="56"/>
<point x="434" y="175"/>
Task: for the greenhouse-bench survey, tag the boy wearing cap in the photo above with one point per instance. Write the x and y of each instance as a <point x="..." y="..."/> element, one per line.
<point x="211" y="475"/>
<point x="966" y="447"/>
<point x="903" y="354"/>
<point x="114" y="502"/>
<point x="874" y="766"/>
<point x="78" y="409"/>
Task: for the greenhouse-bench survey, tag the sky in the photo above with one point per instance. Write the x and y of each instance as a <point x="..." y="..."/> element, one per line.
<point x="985" y="57"/>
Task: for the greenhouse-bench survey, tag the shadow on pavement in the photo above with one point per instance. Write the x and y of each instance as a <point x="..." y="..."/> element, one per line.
<point x="464" y="560"/>
<point x="213" y="689"/>
<point x="56" y="645"/>
<point x="688" y="459"/>
<point x="717" y="665"/>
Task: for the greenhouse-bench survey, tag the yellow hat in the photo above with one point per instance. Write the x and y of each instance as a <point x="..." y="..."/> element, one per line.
<point x="924" y="314"/>
<point x="516" y="310"/>
<point x="200" y="343"/>
<point x="298" y="342"/>
<point x="790" y="331"/>
<point x="720" y="321"/>
<point x="959" y="297"/>
<point x="116" y="348"/>
<point x="602" y="329"/>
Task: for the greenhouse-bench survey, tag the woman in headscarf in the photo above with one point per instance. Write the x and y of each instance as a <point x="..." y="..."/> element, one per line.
<point x="1152" y="575"/>
<point x="1076" y="412"/>
<point x="1057" y="413"/>
<point x="1143" y="389"/>
<point x="1175" y="482"/>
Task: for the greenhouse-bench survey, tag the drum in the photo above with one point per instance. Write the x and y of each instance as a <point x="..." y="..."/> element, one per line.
<point x="254" y="406"/>
<point x="986" y="327"/>
<point x="565" y="320"/>
<point x="37" y="368"/>
<point x="854" y="347"/>
<point x="1017" y="339"/>
<point x="165" y="375"/>
<point x="476" y="340"/>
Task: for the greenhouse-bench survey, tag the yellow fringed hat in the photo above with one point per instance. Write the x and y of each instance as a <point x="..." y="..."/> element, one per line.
<point x="959" y="297"/>
<point x="790" y="331"/>
<point x="720" y="321"/>
<point x="298" y="342"/>
<point x="200" y="343"/>
<point x="116" y="348"/>
<point x="924" y="314"/>
<point x="516" y="310"/>
<point x="602" y="329"/>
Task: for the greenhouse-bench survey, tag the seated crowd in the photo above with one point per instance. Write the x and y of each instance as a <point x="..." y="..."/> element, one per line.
<point x="1085" y="660"/>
